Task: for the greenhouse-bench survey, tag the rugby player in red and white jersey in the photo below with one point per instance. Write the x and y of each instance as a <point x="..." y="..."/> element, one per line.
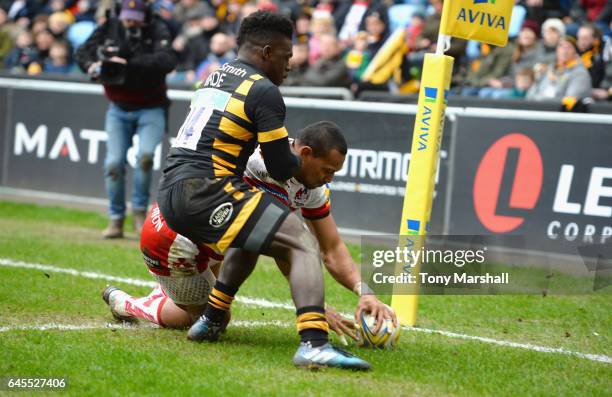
<point x="186" y="272"/>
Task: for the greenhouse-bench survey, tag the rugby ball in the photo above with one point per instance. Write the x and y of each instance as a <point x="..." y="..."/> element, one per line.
<point x="386" y="338"/>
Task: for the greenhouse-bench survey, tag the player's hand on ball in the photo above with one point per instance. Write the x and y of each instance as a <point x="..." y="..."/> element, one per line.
<point x="381" y="312"/>
<point x="339" y="324"/>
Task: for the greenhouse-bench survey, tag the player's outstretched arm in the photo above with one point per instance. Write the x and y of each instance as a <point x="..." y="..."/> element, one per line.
<point x="339" y="263"/>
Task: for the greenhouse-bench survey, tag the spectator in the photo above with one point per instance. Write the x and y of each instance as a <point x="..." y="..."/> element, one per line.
<point x="23" y="54"/>
<point x="349" y="17"/>
<point x="553" y="30"/>
<point x="358" y="57"/>
<point x="133" y="75"/>
<point x="220" y="52"/>
<point x="322" y="8"/>
<point x="270" y="6"/>
<point x="183" y="7"/>
<point x="321" y="25"/>
<point x="246" y="10"/>
<point x="588" y="41"/>
<point x="164" y="9"/>
<point x="43" y="41"/>
<point x="528" y="49"/>
<point x="198" y="46"/>
<point x="604" y="21"/>
<point x="228" y="11"/>
<point x="302" y="27"/>
<point x="593" y="8"/>
<point x="190" y="29"/>
<point x="540" y="10"/>
<point x="299" y="65"/>
<point x="22" y="12"/>
<point x="604" y="92"/>
<point x="39" y="23"/>
<point x="59" y="23"/>
<point x="583" y="12"/>
<point x="85" y="10"/>
<point x="54" y="6"/>
<point x="330" y="70"/>
<point x="568" y="78"/>
<point x="526" y="53"/>
<point x="427" y="41"/>
<point x="105" y="9"/>
<point x="377" y="27"/>
<point x="6" y="40"/>
<point x="59" y="60"/>
<point x="523" y="80"/>
<point x="488" y="69"/>
<point x="414" y="29"/>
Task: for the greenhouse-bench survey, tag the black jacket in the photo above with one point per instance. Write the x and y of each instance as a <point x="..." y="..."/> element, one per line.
<point x="149" y="59"/>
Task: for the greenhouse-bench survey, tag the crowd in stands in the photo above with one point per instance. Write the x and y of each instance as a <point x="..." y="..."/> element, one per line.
<point x="558" y="49"/>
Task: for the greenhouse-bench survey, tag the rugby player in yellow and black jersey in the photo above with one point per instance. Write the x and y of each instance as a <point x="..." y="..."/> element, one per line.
<point x="202" y="194"/>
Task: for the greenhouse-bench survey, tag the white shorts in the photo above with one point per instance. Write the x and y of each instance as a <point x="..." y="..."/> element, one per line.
<point x="188" y="290"/>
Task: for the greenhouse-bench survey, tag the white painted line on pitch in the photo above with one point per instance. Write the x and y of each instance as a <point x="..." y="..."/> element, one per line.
<point x="67" y="327"/>
<point x="278" y="305"/>
<point x="81" y="327"/>
<point x="132" y="281"/>
<point x="264" y="303"/>
<point x="542" y="349"/>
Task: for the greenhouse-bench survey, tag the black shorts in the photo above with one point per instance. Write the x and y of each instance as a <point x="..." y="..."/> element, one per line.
<point x="222" y="213"/>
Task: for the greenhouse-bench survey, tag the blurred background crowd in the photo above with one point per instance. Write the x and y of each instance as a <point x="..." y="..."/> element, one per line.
<point x="558" y="49"/>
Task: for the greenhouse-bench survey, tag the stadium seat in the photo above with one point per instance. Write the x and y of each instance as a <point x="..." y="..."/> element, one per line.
<point x="79" y="32"/>
<point x="400" y="14"/>
<point x="421" y="3"/>
<point x="516" y="21"/>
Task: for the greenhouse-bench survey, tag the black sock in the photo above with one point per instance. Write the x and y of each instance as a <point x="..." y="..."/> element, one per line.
<point x="219" y="302"/>
<point x="312" y="325"/>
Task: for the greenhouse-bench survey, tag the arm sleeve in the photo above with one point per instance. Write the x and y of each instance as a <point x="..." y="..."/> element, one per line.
<point x="579" y="85"/>
<point x="267" y="110"/>
<point x="87" y="53"/>
<point x="318" y="207"/>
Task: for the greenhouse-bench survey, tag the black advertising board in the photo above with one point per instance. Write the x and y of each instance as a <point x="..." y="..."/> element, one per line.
<point x="367" y="194"/>
<point x="56" y="142"/>
<point x="549" y="181"/>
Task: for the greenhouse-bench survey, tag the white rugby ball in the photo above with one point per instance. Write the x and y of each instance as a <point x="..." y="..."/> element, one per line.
<point x="387" y="336"/>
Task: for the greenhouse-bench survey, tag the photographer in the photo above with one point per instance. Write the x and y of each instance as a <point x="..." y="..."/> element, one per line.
<point x="130" y="55"/>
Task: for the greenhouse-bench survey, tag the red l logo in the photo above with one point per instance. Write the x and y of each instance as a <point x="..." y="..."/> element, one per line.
<point x="514" y="161"/>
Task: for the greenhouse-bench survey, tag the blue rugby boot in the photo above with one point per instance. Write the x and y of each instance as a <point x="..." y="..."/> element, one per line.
<point x="327" y="356"/>
<point x="206" y="329"/>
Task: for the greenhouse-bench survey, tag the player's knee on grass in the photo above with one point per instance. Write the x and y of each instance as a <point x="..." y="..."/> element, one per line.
<point x="179" y="316"/>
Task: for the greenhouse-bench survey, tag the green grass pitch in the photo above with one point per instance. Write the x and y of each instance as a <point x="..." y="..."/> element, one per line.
<point x="254" y="356"/>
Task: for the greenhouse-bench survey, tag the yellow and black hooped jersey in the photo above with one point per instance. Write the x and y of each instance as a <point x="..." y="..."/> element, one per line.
<point x="236" y="108"/>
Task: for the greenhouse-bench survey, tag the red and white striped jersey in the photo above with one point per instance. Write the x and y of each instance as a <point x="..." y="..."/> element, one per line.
<point x="314" y="203"/>
<point x="168" y="253"/>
